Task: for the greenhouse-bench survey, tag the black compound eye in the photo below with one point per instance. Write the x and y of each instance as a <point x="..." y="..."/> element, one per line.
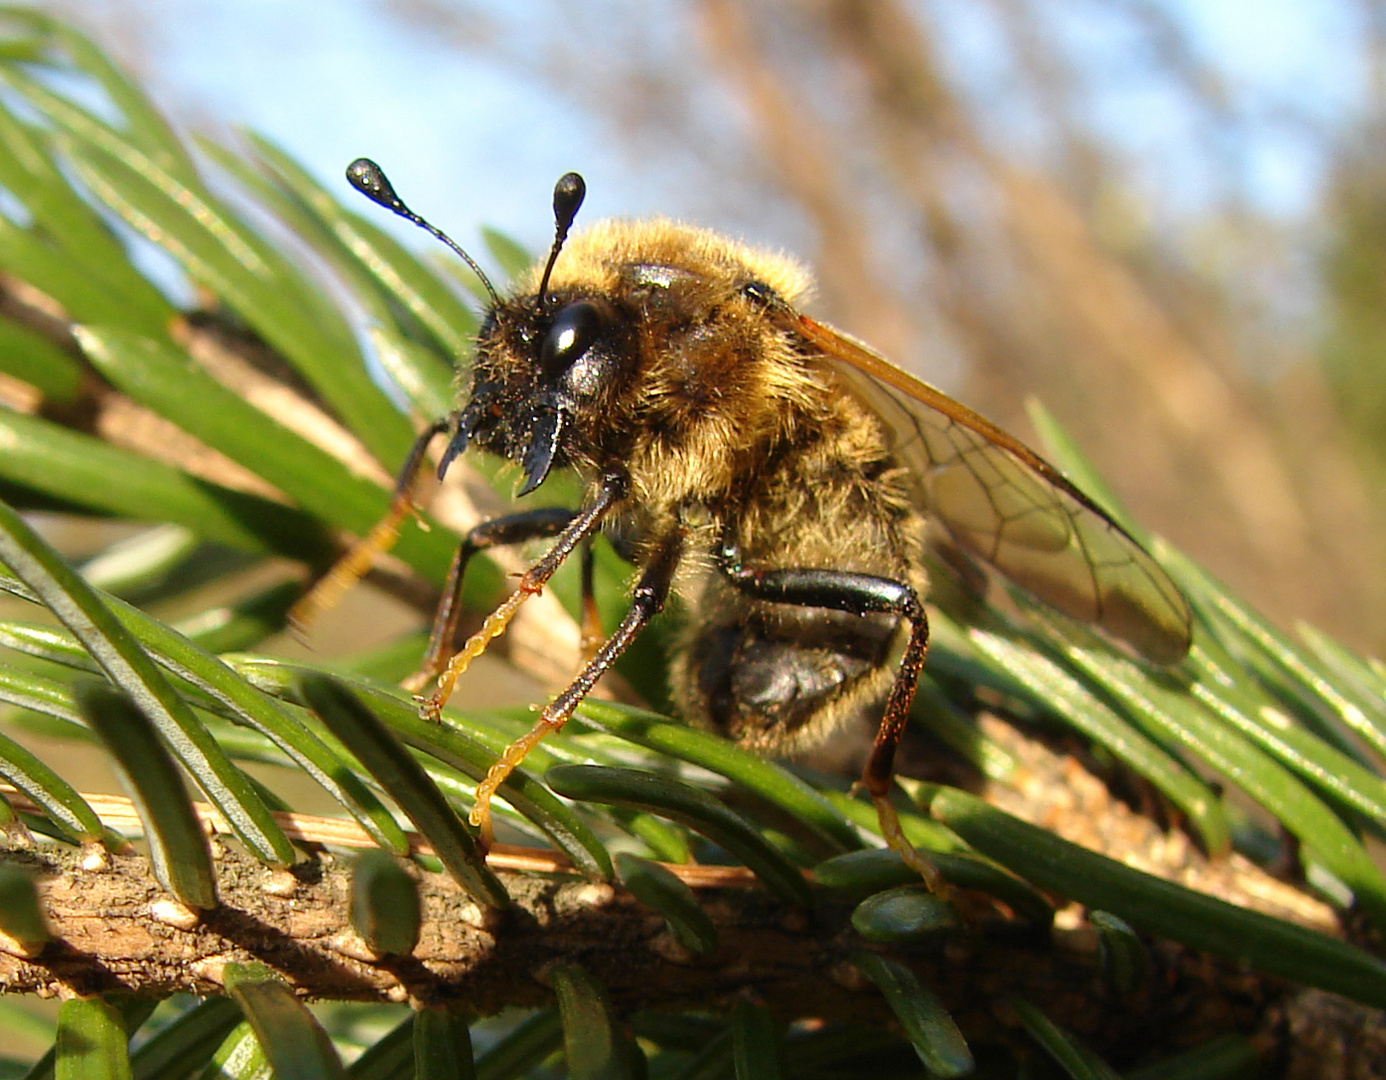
<point x="759" y="293"/>
<point x="574" y="330"/>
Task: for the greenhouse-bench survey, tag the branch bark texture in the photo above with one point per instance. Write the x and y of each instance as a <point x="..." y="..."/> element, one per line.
<point x="111" y="932"/>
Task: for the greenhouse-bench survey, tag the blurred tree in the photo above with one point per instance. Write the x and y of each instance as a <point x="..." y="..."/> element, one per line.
<point x="1354" y="348"/>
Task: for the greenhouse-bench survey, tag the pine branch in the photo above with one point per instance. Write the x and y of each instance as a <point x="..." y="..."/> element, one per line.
<point x="111" y="935"/>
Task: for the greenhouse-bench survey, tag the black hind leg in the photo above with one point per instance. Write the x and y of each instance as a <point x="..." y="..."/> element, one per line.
<point x="780" y="674"/>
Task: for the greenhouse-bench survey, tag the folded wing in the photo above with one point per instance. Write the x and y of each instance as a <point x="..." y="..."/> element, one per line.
<point x="1004" y="503"/>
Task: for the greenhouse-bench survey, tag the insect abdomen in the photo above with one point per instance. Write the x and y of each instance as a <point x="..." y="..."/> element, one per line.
<point x="780" y="677"/>
<point x="780" y="683"/>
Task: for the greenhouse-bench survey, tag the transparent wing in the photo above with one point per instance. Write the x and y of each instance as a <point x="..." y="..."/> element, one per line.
<point x="1003" y="502"/>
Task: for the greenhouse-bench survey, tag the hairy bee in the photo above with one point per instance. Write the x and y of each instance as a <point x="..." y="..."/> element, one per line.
<point x="774" y="470"/>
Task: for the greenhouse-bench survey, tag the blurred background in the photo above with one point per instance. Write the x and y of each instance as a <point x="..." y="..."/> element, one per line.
<point x="1164" y="218"/>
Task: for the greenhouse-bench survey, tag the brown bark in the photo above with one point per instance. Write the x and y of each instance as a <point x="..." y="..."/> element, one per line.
<point x="111" y="934"/>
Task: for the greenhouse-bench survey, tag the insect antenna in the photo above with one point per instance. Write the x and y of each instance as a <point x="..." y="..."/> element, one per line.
<point x="568" y="194"/>
<point x="369" y="179"/>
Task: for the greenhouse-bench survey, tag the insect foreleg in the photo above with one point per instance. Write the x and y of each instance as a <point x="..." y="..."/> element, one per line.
<point x="646" y="602"/>
<point x="510" y="529"/>
<point x="353" y="565"/>
<point x="582" y="526"/>
<point x="591" y="622"/>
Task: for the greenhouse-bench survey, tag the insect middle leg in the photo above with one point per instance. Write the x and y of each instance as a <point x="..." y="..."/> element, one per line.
<point x="858" y="594"/>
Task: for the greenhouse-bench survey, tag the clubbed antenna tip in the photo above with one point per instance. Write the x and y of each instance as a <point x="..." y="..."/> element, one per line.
<point x="568" y="194"/>
<point x="370" y="180"/>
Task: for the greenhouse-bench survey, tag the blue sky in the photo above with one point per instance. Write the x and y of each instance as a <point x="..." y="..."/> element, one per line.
<point x="467" y="141"/>
<point x="1295" y="56"/>
<point x="464" y="141"/>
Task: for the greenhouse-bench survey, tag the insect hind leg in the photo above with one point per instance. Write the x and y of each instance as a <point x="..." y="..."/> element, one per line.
<point x="861" y="595"/>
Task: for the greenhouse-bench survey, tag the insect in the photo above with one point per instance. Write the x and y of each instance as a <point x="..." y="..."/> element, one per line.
<point x="774" y="470"/>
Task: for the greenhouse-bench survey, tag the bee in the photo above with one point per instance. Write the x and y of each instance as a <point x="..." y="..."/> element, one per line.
<point x="777" y="472"/>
